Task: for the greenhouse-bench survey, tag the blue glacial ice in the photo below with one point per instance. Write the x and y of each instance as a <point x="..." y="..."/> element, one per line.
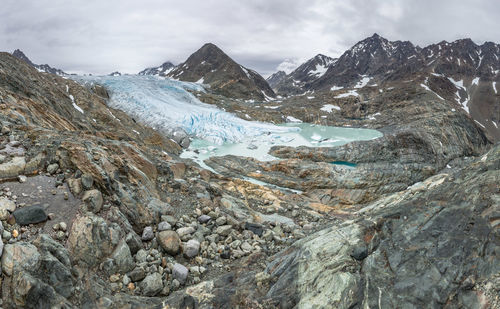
<point x="166" y="105"/>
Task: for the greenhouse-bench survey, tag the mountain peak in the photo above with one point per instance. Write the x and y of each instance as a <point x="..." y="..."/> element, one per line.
<point x="210" y="65"/>
<point x="20" y="55"/>
<point x="210" y="47"/>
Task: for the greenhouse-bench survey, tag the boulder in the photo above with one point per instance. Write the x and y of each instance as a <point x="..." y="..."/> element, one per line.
<point x="191" y="248"/>
<point x="30" y="214"/>
<point x="224" y="230"/>
<point x="90" y="239"/>
<point x="180" y="272"/>
<point x="52" y="168"/>
<point x="137" y="274"/>
<point x="152" y="284"/>
<point x="19" y="255"/>
<point x="13" y="168"/>
<point x="93" y="199"/>
<point x="185" y="231"/>
<point x="164" y="226"/>
<point x="6" y="208"/>
<point x="147" y="234"/>
<point x="87" y="181"/>
<point x="122" y="258"/>
<point x="169" y="241"/>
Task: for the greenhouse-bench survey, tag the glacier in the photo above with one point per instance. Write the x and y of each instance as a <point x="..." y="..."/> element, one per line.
<point x="166" y="105"/>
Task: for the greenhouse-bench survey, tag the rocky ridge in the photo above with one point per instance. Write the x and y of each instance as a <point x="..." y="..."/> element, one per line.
<point x="161" y="70"/>
<point x="40" y="67"/>
<point x="306" y="73"/>
<point x="460" y="71"/>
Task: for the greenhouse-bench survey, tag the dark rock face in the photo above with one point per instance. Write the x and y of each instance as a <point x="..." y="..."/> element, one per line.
<point x="30" y="215"/>
<point x="423" y="267"/>
<point x="275" y="78"/>
<point x="161" y="70"/>
<point x="40" y="67"/>
<point x="305" y="74"/>
<point x="210" y="65"/>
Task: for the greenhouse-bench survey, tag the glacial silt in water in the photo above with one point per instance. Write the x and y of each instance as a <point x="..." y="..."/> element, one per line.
<point x="258" y="146"/>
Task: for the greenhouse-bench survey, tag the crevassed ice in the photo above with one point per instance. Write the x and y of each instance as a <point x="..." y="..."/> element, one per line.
<point x="167" y="104"/>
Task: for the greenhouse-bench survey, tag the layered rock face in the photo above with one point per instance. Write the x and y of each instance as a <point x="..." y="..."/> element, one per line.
<point x="434" y="245"/>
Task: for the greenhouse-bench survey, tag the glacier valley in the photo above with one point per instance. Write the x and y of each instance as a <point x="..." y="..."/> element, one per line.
<point x="166" y="104"/>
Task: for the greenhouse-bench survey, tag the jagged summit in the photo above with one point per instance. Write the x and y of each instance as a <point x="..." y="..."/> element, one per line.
<point x="305" y="74"/>
<point x="276" y="78"/>
<point x="20" y="55"/>
<point x="161" y="70"/>
<point x="40" y="67"/>
<point x="210" y="65"/>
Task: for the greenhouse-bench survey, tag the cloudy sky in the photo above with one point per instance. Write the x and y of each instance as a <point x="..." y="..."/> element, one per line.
<point x="97" y="36"/>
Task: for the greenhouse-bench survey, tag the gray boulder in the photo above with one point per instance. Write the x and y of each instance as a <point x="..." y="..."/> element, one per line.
<point x="191" y="248"/>
<point x="29" y="215"/>
<point x="180" y="272"/>
<point x="152" y="284"/>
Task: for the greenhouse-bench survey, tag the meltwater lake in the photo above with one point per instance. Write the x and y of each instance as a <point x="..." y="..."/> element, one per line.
<point x="257" y="147"/>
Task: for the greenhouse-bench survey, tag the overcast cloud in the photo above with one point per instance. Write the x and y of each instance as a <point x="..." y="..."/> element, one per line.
<point x="97" y="36"/>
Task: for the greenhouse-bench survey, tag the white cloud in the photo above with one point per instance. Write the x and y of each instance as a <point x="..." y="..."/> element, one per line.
<point x="288" y="65"/>
<point x="129" y="35"/>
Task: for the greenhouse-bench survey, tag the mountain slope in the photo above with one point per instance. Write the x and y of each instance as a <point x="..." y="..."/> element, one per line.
<point x="210" y="65"/>
<point x="40" y="67"/>
<point x="304" y="75"/>
<point x="460" y="71"/>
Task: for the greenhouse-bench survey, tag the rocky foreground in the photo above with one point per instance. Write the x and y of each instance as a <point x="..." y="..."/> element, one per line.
<point x="98" y="211"/>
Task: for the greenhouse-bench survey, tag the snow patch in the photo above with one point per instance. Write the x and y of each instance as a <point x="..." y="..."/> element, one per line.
<point x="459" y="84"/>
<point x="480" y="124"/>
<point x="292" y="119"/>
<point x="336" y="88"/>
<point x="319" y="70"/>
<point x="494" y="85"/>
<point x="429" y="89"/>
<point x="363" y="82"/>
<point x="350" y="93"/>
<point x="246" y="71"/>
<point x="74" y="104"/>
<point x="329" y="107"/>
<point x="475" y="81"/>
